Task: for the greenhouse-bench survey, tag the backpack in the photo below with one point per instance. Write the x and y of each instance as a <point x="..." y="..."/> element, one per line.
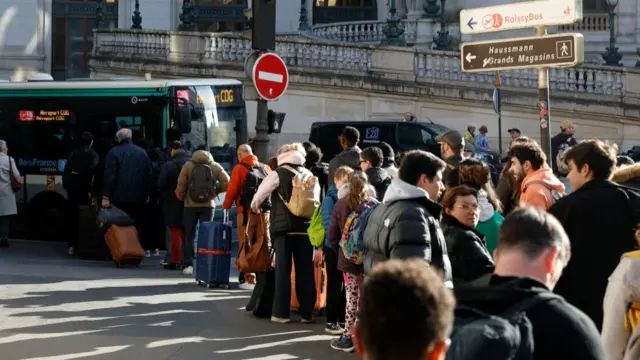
<point x="305" y="194"/>
<point x="252" y="181"/>
<point x="632" y="313"/>
<point x="555" y="195"/>
<point x="561" y="163"/>
<point x="352" y="241"/>
<point x="202" y="185"/>
<point x="316" y="228"/>
<point x="509" y="335"/>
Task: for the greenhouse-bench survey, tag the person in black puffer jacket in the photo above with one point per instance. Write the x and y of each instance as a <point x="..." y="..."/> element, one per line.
<point x="318" y="168"/>
<point x="371" y="162"/>
<point x="467" y="249"/>
<point x="407" y="222"/>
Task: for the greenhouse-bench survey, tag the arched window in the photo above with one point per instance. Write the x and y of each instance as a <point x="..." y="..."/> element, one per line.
<point x="220" y="15"/>
<point x="331" y="11"/>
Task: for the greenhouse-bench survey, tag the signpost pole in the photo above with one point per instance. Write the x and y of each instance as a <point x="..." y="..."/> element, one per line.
<point x="497" y="104"/>
<point x="261" y="141"/>
<point x="544" y="105"/>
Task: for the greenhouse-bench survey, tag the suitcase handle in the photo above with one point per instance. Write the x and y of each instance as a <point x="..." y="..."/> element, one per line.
<point x="214" y="252"/>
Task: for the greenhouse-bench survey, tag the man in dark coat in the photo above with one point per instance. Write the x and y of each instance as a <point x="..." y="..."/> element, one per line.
<point x="451" y="151"/>
<point x="600" y="218"/>
<point x="172" y="208"/>
<point x="407" y="222"/>
<point x="76" y="180"/>
<point x="371" y="163"/>
<point x="350" y="155"/>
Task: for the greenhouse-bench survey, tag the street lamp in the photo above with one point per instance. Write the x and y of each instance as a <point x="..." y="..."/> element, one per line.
<point x="394" y="30"/>
<point x="612" y="57"/>
<point x="304" y="22"/>
<point x="442" y="40"/>
<point x="187" y="17"/>
<point x="431" y="9"/>
<point x="136" y="19"/>
<point x="99" y="14"/>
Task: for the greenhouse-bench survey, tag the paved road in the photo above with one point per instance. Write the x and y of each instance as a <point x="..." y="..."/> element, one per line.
<point x="56" y="308"/>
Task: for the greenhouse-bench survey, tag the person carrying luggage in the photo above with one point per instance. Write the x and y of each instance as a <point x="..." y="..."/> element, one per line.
<point x="199" y="183"/>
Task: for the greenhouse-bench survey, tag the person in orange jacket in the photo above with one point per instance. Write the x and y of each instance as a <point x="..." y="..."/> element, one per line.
<point x="257" y="223"/>
<point x="539" y="186"/>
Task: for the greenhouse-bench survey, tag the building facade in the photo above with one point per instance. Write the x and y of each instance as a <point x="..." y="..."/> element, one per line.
<point x="56" y="36"/>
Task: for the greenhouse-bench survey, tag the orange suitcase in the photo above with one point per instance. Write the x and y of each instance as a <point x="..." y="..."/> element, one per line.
<point x="124" y="245"/>
<point x="320" y="277"/>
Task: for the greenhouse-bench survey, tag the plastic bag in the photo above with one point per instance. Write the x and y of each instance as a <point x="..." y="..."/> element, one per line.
<point x="113" y="216"/>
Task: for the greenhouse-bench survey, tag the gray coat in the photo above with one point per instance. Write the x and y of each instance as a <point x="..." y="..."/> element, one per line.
<point x="7" y="196"/>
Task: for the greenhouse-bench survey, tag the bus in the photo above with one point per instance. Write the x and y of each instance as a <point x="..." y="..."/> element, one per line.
<point x="41" y="122"/>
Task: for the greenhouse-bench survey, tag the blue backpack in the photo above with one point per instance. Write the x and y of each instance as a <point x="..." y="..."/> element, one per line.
<point x="352" y="241"/>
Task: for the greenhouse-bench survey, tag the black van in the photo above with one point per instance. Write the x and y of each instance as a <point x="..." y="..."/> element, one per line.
<point x="400" y="135"/>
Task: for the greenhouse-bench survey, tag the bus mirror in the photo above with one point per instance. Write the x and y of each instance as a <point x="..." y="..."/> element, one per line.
<point x="183" y="119"/>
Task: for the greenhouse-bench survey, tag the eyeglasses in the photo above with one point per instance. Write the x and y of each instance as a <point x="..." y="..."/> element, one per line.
<point x="467" y="207"/>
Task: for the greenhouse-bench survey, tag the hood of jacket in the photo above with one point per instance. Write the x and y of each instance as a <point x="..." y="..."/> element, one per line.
<point x="350" y="156"/>
<point x="291" y="157"/>
<point x="626" y="174"/>
<point x="250" y="160"/>
<point x="376" y="175"/>
<point x="400" y="190"/>
<point x="391" y="170"/>
<point x="202" y="157"/>
<point x="545" y="176"/>
<point x="486" y="209"/>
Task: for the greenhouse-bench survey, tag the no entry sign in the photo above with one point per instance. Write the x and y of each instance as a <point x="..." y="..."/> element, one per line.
<point x="270" y="76"/>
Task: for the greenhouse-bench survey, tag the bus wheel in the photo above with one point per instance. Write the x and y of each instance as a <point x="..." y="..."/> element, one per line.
<point x="47" y="216"/>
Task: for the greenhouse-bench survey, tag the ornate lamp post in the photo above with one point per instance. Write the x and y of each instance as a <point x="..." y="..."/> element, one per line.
<point x="187" y="17"/>
<point x="99" y="14"/>
<point x="394" y="30"/>
<point x="612" y="57"/>
<point x="136" y="19"/>
<point x="431" y="9"/>
<point x="304" y="21"/>
<point x="442" y="40"/>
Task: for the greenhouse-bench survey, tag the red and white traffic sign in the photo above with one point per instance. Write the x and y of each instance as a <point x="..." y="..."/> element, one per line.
<point x="270" y="76"/>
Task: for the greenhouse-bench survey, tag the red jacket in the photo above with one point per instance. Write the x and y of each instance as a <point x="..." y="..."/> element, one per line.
<point x="238" y="177"/>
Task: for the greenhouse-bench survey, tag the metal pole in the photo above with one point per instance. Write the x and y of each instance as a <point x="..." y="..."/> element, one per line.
<point x="544" y="105"/>
<point x="261" y="141"/>
<point x="497" y="85"/>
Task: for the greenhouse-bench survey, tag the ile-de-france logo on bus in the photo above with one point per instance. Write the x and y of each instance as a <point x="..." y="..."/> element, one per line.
<point x="372" y="133"/>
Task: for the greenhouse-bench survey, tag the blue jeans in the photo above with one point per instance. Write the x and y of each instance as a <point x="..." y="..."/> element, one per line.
<point x="4" y="227"/>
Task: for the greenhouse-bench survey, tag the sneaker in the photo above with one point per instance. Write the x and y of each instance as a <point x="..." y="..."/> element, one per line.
<point x="305" y="320"/>
<point x="156" y="252"/>
<point x="188" y="270"/>
<point x="72" y="251"/>
<point x="4" y="243"/>
<point x="246" y="286"/>
<point x="250" y="279"/>
<point x="164" y="262"/>
<point x="334" y="329"/>
<point x="280" y="320"/>
<point x="147" y="253"/>
<point x="343" y="343"/>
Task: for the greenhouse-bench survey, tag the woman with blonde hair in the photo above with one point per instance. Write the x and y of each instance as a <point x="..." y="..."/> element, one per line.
<point x="288" y="235"/>
<point x="359" y="197"/>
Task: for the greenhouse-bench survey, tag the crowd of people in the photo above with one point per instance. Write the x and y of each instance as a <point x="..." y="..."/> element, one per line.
<point x="425" y="259"/>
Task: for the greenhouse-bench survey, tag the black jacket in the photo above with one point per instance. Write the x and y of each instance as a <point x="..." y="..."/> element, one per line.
<point x="450" y="175"/>
<point x="467" y="250"/>
<point x="600" y="218"/>
<point x="406" y="225"/>
<point x="127" y="174"/>
<point x="560" y="331"/>
<point x="379" y="179"/>
<point x="78" y="174"/>
<point x="172" y="208"/>
<point x="556" y="142"/>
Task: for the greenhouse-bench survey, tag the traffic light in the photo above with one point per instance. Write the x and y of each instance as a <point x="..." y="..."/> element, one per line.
<point x="263" y="25"/>
<point x="274" y="121"/>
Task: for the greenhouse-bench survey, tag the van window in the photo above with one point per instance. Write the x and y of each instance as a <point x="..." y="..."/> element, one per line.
<point x="413" y="135"/>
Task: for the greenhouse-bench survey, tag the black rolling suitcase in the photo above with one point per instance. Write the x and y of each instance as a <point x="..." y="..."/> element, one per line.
<point x="91" y="243"/>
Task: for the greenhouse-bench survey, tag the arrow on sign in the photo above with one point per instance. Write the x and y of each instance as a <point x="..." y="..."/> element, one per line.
<point x="470" y="57"/>
<point x="471" y="23"/>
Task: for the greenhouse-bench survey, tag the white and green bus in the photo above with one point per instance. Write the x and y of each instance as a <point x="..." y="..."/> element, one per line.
<point x="41" y="122"/>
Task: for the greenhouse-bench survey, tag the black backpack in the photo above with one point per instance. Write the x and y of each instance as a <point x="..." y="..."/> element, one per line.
<point x="255" y="176"/>
<point x="508" y="335"/>
<point x="202" y="185"/>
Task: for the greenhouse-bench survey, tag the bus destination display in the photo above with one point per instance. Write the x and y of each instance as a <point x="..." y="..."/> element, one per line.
<point x="44" y="115"/>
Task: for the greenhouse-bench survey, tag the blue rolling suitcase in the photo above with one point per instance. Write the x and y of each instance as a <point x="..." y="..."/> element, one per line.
<point x="213" y="257"/>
